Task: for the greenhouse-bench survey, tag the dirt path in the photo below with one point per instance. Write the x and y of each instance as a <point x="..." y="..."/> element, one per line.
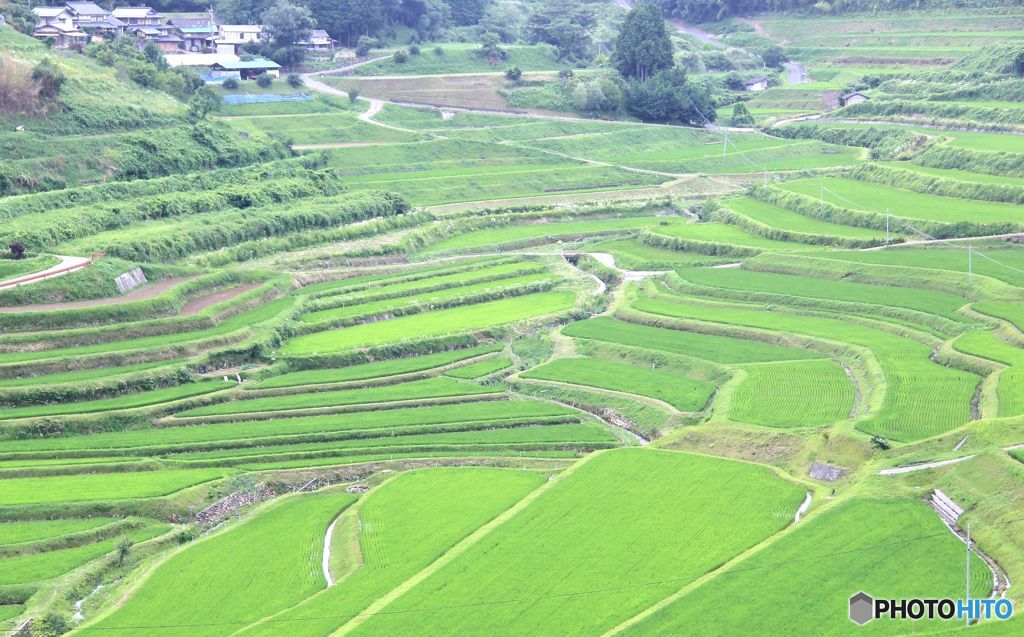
<point x="923" y="466"/>
<point x="199" y="304"/>
<point x="343" y="145"/>
<point x="66" y="265"/>
<point x="145" y="292"/>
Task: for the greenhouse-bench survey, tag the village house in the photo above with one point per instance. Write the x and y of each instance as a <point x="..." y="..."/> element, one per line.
<point x="96" y="21"/>
<point x="138" y="16"/>
<point x="58" y="23"/>
<point x="318" y="41"/>
<point x="232" y="37"/>
<point x="856" y="97"/>
<point x="756" y="84"/>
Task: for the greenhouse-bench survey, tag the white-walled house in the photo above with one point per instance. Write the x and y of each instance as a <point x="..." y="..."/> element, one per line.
<point x="756" y="84"/>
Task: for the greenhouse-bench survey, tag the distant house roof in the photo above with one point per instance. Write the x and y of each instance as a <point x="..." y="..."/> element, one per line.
<point x="49" y="12"/>
<point x="207" y="30"/>
<point x="135" y="12"/>
<point x="241" y="65"/>
<point x="183" y="23"/>
<point x="756" y="80"/>
<point x="87" y="8"/>
<point x="318" y="34"/>
<point x="167" y="37"/>
<point x="853" y="94"/>
<point x="147" y="30"/>
<point x="45" y="29"/>
<point x="107" y="22"/>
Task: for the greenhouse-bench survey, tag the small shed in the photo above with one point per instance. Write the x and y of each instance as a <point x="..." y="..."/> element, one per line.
<point x="249" y="69"/>
<point x="855" y="97"/>
<point x="756" y="84"/>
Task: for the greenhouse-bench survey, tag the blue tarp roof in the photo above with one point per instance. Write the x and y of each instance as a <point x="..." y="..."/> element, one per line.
<point x="259" y="98"/>
<point x="258" y="63"/>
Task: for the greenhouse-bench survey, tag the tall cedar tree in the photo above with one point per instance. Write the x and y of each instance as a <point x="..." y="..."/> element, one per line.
<point x="643" y="47"/>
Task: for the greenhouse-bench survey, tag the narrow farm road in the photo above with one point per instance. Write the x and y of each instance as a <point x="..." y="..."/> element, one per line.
<point x="608" y="260"/>
<point x="67" y="264"/>
<point x="144" y="292"/>
<point x="922" y="466"/>
<point x="803" y="507"/>
<point x="681" y="27"/>
<point x="795" y="73"/>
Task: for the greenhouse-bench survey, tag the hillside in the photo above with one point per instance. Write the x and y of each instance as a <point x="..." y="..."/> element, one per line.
<point x="426" y="346"/>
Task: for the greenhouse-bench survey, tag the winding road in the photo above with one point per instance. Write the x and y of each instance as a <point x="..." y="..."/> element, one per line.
<point x="67" y="264"/>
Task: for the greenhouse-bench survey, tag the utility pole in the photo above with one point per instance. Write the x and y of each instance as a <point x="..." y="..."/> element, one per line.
<point x="725" y="141"/>
<point x="766" y="178"/>
<point x="968" y="568"/>
<point x="887" y="226"/>
<point x="821" y="197"/>
<point x="970" y="263"/>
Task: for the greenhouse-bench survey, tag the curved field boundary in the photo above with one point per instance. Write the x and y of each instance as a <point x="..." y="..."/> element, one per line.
<point x="145" y="292"/>
<point x="67" y="264"/>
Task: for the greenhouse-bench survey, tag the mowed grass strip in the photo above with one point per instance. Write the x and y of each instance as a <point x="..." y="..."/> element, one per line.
<point x="1010" y="387"/>
<point x="549" y="230"/>
<point x="718" y="349"/>
<point x="701" y="510"/>
<point x="862" y="195"/>
<point x="415" y="390"/>
<point x="36" y="567"/>
<point x="330" y="461"/>
<point x="274" y="558"/>
<point x="630" y="254"/>
<point x="685" y="394"/>
<point x="378" y="369"/>
<point x="102" y="486"/>
<point x="927" y="301"/>
<point x="800" y="394"/>
<point x="125" y="401"/>
<point x="487" y="435"/>
<point x="722" y="233"/>
<point x="480" y="369"/>
<point x="783" y="219"/>
<point x="34" y="530"/>
<point x="896" y="549"/>
<point x="106" y="373"/>
<point x="427" y="324"/>
<point x="404" y="525"/>
<point x="271" y="430"/>
<point x="365" y="311"/>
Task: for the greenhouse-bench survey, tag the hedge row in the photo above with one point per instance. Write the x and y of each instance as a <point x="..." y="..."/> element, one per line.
<point x="976" y="161"/>
<point x="727" y="215"/>
<point x="18" y="205"/>
<point x="58" y="226"/>
<point x="985" y="117"/>
<point x="918" y="182"/>
<point x="679" y="244"/>
<point x="182" y="149"/>
<point x="93" y="390"/>
<point x="813" y="207"/>
<point x="258" y="248"/>
<point x="884" y="142"/>
<point x="198" y="235"/>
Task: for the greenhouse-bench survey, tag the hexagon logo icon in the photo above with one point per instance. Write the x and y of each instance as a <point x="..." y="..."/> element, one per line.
<point x="861" y="608"/>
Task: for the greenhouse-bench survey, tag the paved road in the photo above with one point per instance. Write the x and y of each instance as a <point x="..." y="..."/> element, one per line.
<point x="922" y="467"/>
<point x="795" y="73"/>
<point x="67" y="264"/>
<point x="682" y="27"/>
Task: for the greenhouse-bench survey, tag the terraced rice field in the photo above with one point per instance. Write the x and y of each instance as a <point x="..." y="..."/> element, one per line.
<point x="517" y="561"/>
<point x="803" y="394"/>
<point x="461" y="319"/>
<point x="921" y="398"/>
<point x="867" y="535"/>
<point x="681" y="392"/>
<point x="1010" y="388"/>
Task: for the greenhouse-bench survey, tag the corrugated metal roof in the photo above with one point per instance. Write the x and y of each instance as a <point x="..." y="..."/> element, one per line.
<point x="249" y="64"/>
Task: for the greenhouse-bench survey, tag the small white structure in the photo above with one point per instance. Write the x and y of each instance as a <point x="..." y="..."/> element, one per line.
<point x="855" y="97"/>
<point x="756" y="84"/>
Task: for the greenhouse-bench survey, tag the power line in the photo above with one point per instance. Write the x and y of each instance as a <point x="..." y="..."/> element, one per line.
<point x="535" y="598"/>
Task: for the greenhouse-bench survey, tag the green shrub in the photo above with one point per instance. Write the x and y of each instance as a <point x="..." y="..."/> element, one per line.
<point x="230" y="83"/>
<point x="264" y="80"/>
<point x="294" y="80"/>
<point x="400" y="57"/>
